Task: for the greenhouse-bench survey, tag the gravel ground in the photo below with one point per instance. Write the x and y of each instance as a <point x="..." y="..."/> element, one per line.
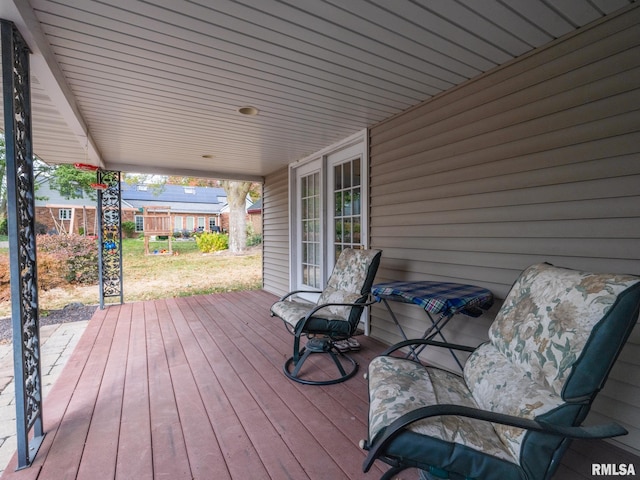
<point x="74" y="312"/>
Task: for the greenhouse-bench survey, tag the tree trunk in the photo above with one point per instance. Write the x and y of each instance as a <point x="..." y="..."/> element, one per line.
<point x="237" y="197"/>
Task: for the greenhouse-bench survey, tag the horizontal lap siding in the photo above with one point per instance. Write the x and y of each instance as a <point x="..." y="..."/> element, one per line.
<point x="276" y="233"/>
<point x="536" y="161"/>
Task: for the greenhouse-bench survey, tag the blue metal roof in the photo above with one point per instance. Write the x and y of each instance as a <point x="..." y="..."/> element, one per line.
<point x="175" y="193"/>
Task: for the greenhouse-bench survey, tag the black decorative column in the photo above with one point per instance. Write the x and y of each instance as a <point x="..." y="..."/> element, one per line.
<point x="110" y="235"/>
<point x="22" y="241"/>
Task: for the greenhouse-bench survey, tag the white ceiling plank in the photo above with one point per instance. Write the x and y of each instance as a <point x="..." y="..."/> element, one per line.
<point x="356" y="39"/>
<point x="485" y="28"/>
<point x="404" y="34"/>
<point x="226" y="101"/>
<point x="215" y="74"/>
<point x="216" y="40"/>
<point x="447" y="29"/>
<point x="542" y="15"/>
<point x="578" y="12"/>
<point x="610" y="6"/>
<point x="202" y="55"/>
<point x="154" y="85"/>
<point x="509" y="19"/>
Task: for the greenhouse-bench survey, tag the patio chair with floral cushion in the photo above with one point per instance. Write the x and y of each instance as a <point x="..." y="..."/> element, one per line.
<point x="523" y="395"/>
<point x="334" y="318"/>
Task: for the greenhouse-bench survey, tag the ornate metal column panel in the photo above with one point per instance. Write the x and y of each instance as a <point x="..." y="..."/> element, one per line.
<point x="110" y="236"/>
<point x="22" y="241"/>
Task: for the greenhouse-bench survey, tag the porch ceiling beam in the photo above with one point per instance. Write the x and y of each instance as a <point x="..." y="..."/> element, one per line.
<point x="46" y="69"/>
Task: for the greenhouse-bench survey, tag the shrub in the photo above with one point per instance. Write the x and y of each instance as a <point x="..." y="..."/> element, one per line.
<point x="129" y="228"/>
<point x="51" y="270"/>
<point x="254" y="239"/>
<point x="212" y="242"/>
<point x="78" y="254"/>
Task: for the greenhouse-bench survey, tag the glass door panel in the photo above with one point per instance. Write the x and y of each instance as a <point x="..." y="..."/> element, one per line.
<point x="310" y="229"/>
<point x="347" y="209"/>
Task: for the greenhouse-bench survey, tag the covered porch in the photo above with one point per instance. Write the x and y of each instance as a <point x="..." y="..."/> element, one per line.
<point x="193" y="388"/>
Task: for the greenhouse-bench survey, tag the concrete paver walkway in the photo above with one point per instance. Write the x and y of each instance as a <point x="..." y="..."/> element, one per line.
<point x="56" y="345"/>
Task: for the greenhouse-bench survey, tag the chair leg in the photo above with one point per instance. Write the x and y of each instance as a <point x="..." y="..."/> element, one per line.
<point x="300" y="362"/>
<point x="323" y="345"/>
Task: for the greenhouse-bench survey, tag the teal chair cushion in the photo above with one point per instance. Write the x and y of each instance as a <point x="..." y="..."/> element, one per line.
<point x="550" y="349"/>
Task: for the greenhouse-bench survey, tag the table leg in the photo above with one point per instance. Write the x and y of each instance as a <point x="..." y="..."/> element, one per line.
<point x="438" y="325"/>
<point x="404" y="336"/>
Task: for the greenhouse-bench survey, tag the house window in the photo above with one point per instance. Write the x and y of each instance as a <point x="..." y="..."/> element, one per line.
<point x="64" y="214"/>
<point x="139" y="219"/>
<point x="328" y="195"/>
<point x="177" y="223"/>
<point x="201" y="223"/>
<point x="213" y="224"/>
<point x="191" y="223"/>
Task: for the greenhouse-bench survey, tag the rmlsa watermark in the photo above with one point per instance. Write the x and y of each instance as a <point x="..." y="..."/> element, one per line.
<point x="622" y="469"/>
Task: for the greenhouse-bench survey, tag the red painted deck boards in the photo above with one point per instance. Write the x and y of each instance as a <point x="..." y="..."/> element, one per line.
<point x="192" y="388"/>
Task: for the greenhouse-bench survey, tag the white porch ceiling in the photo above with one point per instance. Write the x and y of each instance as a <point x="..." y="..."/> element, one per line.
<point x="153" y="85"/>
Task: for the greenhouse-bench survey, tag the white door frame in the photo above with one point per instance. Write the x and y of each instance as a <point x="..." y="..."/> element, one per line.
<point x="324" y="160"/>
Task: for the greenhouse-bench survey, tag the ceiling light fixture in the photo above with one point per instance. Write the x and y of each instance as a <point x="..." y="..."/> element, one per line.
<point x="251" y="111"/>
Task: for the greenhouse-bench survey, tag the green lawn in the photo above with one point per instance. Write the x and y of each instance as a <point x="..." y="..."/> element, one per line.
<point x="147" y="277"/>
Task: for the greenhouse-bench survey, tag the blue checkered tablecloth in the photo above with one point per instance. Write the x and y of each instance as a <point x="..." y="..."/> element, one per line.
<point x="436" y="297"/>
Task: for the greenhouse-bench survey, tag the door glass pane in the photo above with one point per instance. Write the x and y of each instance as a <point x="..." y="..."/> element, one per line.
<point x="310" y="217"/>
<point x="337" y="172"/>
<point x="347" y="212"/>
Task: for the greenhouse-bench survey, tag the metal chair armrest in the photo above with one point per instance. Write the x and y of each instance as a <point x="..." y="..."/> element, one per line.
<point x="377" y="446"/>
<point x="284" y="297"/>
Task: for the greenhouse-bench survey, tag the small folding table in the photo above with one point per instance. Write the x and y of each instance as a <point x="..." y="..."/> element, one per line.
<point x="440" y="300"/>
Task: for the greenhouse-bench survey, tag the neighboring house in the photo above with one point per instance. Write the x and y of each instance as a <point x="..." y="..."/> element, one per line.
<point x="58" y="214"/>
<point x="191" y="208"/>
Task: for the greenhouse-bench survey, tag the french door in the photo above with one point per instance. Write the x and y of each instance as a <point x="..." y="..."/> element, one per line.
<point x="328" y="196"/>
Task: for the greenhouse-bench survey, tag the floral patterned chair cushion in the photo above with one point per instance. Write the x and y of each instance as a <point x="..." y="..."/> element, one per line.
<point x="551" y="347"/>
<point x="334" y="317"/>
<point x="347" y="284"/>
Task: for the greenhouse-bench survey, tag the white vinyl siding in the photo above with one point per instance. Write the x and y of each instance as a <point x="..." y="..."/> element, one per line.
<point x="276" y="232"/>
<point x="535" y="161"/>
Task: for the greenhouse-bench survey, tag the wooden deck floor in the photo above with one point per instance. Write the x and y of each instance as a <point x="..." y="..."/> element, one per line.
<point x="193" y="388"/>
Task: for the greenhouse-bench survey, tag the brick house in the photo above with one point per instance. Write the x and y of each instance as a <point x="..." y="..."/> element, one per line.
<point x="192" y="208"/>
